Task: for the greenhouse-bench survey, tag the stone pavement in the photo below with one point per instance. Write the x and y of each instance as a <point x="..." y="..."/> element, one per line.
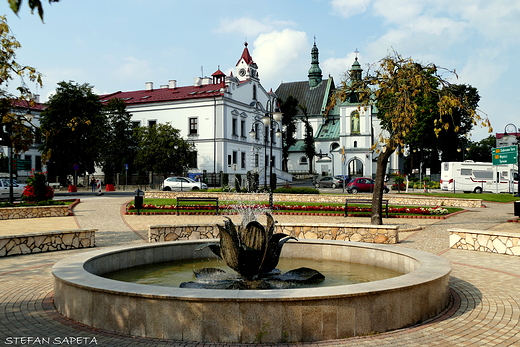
<point x="484" y="310"/>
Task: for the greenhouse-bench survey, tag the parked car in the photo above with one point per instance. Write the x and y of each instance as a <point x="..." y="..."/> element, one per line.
<point x="361" y="184"/>
<point x="4" y="189"/>
<point x="329" y="181"/>
<point x="183" y="183"/>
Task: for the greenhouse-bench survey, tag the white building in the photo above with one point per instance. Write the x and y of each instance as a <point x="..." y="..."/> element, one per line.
<point x="31" y="159"/>
<point x="217" y="113"/>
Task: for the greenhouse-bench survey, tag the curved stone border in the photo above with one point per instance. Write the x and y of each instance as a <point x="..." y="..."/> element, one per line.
<point x="322" y="231"/>
<point x="247" y="316"/>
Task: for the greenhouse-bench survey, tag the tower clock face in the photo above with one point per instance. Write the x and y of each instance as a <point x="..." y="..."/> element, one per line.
<point x="242" y="72"/>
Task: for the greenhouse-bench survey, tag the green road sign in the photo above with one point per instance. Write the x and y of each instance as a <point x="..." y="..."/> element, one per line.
<point x="504" y="155"/>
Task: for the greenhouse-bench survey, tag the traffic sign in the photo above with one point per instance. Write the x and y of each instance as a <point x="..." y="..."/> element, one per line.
<point x="504" y="155"/>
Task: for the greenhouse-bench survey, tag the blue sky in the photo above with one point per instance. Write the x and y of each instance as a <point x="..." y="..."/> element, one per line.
<point x="121" y="44"/>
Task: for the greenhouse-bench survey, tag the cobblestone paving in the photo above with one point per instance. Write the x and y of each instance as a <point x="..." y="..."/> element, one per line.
<point x="485" y="307"/>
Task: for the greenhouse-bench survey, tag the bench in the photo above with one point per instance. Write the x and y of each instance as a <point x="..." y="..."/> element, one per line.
<point x="364" y="201"/>
<point x="197" y="199"/>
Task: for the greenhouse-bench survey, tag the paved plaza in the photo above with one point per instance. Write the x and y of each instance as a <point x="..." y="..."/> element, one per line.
<point x="484" y="308"/>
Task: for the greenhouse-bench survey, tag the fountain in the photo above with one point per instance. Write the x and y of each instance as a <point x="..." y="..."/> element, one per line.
<point x="247" y="316"/>
<point x="253" y="252"/>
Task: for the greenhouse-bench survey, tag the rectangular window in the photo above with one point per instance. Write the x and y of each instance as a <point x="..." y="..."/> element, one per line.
<point x="229" y="160"/>
<point x="243" y="160"/>
<point x="152" y="123"/>
<point x="234" y="127"/>
<point x="193" y="159"/>
<point x="193" y="126"/>
<point x="235" y="157"/>
<point x="255" y="164"/>
<point x="136" y="124"/>
<point x="38" y="163"/>
<point x="257" y="135"/>
<point x="243" y="128"/>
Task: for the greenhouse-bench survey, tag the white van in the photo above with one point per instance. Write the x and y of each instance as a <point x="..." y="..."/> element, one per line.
<point x="478" y="177"/>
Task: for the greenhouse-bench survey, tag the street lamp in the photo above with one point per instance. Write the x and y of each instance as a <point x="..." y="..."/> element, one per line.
<point x="270" y="120"/>
<point x="511" y="126"/>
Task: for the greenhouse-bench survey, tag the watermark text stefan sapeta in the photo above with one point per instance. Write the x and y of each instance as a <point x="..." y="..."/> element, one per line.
<point x="46" y="341"/>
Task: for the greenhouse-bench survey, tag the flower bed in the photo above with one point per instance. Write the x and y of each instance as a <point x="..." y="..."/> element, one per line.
<point x="280" y="208"/>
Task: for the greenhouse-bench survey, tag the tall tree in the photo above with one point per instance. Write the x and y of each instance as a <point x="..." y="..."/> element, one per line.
<point x="309" y="147"/>
<point x="394" y="84"/>
<point x="289" y="109"/>
<point x="73" y="130"/>
<point x="433" y="146"/>
<point x="120" y="144"/>
<point x="481" y="150"/>
<point x="162" y="150"/>
<point x="14" y="129"/>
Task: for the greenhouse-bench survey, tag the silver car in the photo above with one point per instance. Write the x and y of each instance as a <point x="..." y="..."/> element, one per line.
<point x="329" y="181"/>
<point x="182" y="183"/>
<point x="4" y="189"/>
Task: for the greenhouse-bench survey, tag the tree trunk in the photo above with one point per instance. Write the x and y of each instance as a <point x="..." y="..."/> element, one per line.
<point x="377" y="196"/>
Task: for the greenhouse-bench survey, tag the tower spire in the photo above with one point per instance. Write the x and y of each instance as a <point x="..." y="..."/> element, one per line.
<point x="315" y="73"/>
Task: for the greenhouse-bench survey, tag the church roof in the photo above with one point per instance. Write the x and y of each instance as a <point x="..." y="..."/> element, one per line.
<point x="246" y="56"/>
<point x="314" y="98"/>
<point x="165" y="94"/>
<point x="328" y="130"/>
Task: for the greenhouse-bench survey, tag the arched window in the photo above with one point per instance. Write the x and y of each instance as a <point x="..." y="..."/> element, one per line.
<point x="355" y="144"/>
<point x="303" y="161"/>
<point x="354" y="122"/>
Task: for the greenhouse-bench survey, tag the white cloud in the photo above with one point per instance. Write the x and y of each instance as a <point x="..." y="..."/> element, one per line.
<point x="347" y="8"/>
<point x="337" y="67"/>
<point x="281" y="55"/>
<point x="250" y="27"/>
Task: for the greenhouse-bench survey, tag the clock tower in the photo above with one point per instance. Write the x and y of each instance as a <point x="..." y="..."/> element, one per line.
<point x="246" y="68"/>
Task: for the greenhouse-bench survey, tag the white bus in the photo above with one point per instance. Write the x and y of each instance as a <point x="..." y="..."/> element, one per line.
<point x="478" y="177"/>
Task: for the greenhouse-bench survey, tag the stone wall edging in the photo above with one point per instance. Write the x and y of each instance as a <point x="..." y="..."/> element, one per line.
<point x="393" y="199"/>
<point x="387" y="234"/>
<point x="485" y="241"/>
<point x="37" y="211"/>
<point x="47" y="241"/>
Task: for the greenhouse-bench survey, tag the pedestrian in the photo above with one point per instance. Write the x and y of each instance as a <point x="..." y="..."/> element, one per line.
<point x="93" y="184"/>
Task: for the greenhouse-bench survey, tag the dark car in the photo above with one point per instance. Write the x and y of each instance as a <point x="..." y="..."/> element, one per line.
<point x="362" y="184"/>
<point x="329" y="181"/>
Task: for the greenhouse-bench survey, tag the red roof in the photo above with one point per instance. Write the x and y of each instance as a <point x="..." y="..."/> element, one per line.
<point x="246" y="56"/>
<point x="30" y="105"/>
<point x="165" y="94"/>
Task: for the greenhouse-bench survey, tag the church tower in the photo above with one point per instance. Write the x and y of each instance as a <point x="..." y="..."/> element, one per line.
<point x="315" y="73"/>
<point x="246" y="68"/>
<point x="356" y="70"/>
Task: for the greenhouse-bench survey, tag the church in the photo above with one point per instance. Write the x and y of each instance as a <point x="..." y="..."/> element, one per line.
<point x="221" y="115"/>
<point x="343" y="137"/>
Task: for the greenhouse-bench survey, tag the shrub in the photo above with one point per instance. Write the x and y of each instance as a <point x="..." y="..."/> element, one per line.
<point x="36" y="189"/>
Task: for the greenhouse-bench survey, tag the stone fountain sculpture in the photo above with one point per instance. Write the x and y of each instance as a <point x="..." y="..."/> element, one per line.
<point x="253" y="251"/>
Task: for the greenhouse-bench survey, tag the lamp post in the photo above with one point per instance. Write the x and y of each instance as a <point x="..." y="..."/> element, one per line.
<point x="270" y="120"/>
<point x="511" y="127"/>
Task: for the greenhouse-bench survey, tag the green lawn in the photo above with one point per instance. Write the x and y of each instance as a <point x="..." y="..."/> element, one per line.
<point x="484" y="196"/>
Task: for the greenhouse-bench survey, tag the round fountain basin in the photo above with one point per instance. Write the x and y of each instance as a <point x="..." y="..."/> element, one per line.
<point x="247" y="316"/>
